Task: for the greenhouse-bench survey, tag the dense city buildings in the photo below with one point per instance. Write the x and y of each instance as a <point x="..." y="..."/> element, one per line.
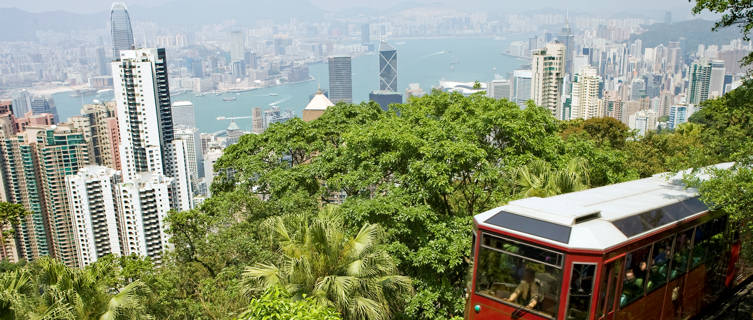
<point x="340" y="79"/>
<point x="585" y="95"/>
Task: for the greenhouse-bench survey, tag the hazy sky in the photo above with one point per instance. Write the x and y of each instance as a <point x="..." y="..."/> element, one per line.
<point x="90" y="6"/>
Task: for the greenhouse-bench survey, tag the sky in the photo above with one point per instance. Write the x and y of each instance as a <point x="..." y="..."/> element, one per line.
<point x="616" y="6"/>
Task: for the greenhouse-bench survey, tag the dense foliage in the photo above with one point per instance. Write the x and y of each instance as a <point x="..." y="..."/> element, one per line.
<point x="733" y="13"/>
<point x="367" y="214"/>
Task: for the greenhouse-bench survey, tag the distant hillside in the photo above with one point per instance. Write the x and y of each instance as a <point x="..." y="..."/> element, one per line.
<point x="19" y="25"/>
<point x="690" y="33"/>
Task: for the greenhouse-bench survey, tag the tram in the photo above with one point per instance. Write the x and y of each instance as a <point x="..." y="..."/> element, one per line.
<point x="644" y="249"/>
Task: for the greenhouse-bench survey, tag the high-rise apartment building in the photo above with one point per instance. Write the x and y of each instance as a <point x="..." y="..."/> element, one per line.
<point x="144" y="203"/>
<point x="120" y="27"/>
<point x="99" y="124"/>
<point x="340" y="79"/>
<point x="153" y="163"/>
<point x="643" y="121"/>
<point x="35" y="163"/>
<point x="257" y="121"/>
<point x="699" y="81"/>
<point x="547" y="73"/>
<point x="585" y="94"/>
<point x="716" y="80"/>
<point x="387" y="67"/>
<point x="94" y="202"/>
<point x="679" y="114"/>
<point x="194" y="158"/>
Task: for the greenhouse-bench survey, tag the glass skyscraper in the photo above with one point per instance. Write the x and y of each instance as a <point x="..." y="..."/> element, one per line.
<point x="120" y="24"/>
<point x="387" y="67"/>
<point x="340" y="80"/>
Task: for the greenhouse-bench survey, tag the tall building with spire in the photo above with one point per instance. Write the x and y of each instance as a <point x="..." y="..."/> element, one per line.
<point x="547" y="73"/>
<point x="567" y="38"/>
<point x="120" y="27"/>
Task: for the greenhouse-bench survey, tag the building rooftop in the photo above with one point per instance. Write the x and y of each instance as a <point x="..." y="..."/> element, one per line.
<point x="319" y="102"/>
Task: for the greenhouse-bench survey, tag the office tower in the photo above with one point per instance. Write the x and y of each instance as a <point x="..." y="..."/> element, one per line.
<point x="385" y="98"/>
<point x="365" y="34"/>
<point x="192" y="139"/>
<point x="103" y="65"/>
<point x="585" y="94"/>
<point x="144" y="203"/>
<point x="22" y="104"/>
<point x="40" y="105"/>
<point x="120" y="27"/>
<point x="547" y="72"/>
<point x="387" y="67"/>
<point x="257" y="120"/>
<point x="183" y="114"/>
<point x="699" y="82"/>
<point x="237" y="46"/>
<point x="499" y="89"/>
<point x="716" y="81"/>
<point x="316" y="107"/>
<point x="668" y="17"/>
<point x="94" y="208"/>
<point x="637" y="89"/>
<point x="340" y="79"/>
<point x="567" y="38"/>
<point x="643" y="121"/>
<point x="679" y="114"/>
<point x="521" y="86"/>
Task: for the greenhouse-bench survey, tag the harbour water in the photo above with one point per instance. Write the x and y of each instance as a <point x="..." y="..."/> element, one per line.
<point x="423" y="61"/>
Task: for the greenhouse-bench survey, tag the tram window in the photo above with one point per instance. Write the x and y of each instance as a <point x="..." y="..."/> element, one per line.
<point x="507" y="276"/>
<point x="581" y="287"/>
<point x="607" y="288"/>
<point x="709" y="241"/>
<point x="659" y="270"/>
<point x="679" y="263"/>
<point x="633" y="283"/>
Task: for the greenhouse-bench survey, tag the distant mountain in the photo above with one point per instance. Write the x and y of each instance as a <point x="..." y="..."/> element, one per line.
<point x="690" y="33"/>
<point x="19" y="25"/>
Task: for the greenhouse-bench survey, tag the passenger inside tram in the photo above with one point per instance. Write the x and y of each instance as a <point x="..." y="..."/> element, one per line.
<point x="527" y="292"/>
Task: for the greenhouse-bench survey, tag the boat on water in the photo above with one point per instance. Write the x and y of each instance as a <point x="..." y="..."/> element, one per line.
<point x="229" y="98"/>
<point x="274" y="94"/>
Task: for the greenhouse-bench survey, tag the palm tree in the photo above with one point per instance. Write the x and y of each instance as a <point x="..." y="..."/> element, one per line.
<point x="540" y="179"/>
<point x="47" y="289"/>
<point x="352" y="274"/>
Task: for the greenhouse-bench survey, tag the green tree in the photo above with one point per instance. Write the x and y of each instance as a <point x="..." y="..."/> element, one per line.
<point x="351" y="274"/>
<point x="602" y="130"/>
<point x="734" y="13"/>
<point x="540" y="179"/>
<point x="275" y="304"/>
<point x="10" y="217"/>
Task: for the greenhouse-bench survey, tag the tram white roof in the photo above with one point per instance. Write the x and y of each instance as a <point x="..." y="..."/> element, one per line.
<point x="600" y="218"/>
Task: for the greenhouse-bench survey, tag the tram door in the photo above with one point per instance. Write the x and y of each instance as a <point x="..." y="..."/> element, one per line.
<point x="608" y="289"/>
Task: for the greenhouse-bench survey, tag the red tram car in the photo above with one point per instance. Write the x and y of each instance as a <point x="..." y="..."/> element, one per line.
<point x="644" y="249"/>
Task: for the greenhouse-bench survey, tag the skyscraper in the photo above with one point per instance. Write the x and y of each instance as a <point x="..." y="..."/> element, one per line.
<point x="40" y="105"/>
<point x="716" y="81"/>
<point x="95" y="211"/>
<point x="183" y="114"/>
<point x="567" y="38"/>
<point x="387" y="67"/>
<point x="585" y="94"/>
<point x="365" y="34"/>
<point x="699" y="82"/>
<point x="340" y="79"/>
<point x="521" y="86"/>
<point x="100" y="127"/>
<point x="547" y="72"/>
<point x="120" y="24"/>
<point x="153" y="163"/>
<point x="237" y="46"/>
<point x="499" y="89"/>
